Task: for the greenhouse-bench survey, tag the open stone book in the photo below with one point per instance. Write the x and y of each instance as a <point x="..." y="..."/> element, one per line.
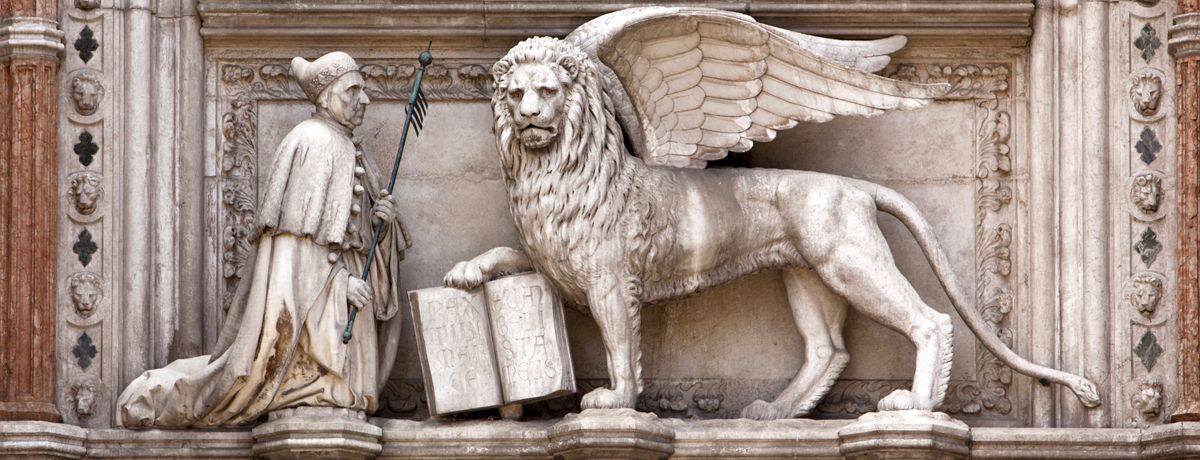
<point x="503" y="343"/>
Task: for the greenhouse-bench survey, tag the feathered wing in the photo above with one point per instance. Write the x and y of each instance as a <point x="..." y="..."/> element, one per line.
<point x="692" y="84"/>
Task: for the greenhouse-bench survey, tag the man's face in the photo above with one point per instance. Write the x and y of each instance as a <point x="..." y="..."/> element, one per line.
<point x="347" y="102"/>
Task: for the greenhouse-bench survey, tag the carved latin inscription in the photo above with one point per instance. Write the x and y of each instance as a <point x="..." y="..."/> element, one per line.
<point x="452" y="332"/>
<point x="530" y="343"/>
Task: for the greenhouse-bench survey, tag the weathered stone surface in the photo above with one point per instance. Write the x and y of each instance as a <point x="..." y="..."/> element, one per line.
<point x="532" y="353"/>
<point x="36" y="439"/>
<point x="453" y="332"/>
<point x="905" y="435"/>
<point x="610" y="434"/>
<point x="317" y="432"/>
<point x="1185" y="45"/>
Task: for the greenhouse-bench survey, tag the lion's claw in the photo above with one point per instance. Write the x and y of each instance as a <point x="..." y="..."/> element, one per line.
<point x="898" y="400"/>
<point x="762" y="410"/>
<point x="465" y="275"/>
<point x="604" y="398"/>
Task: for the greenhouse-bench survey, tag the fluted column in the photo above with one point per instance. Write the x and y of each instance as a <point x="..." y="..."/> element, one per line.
<point x="30" y="43"/>
<point x="1185" y="47"/>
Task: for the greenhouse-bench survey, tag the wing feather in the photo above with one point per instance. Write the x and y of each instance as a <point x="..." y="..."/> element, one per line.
<point x="704" y="82"/>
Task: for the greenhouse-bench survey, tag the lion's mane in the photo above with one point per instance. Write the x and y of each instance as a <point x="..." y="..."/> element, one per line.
<point x="582" y="173"/>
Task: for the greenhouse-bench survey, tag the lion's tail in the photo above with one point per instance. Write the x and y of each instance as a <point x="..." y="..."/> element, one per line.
<point x="892" y="202"/>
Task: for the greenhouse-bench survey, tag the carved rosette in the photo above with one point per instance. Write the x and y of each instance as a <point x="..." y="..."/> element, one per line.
<point x="243" y="85"/>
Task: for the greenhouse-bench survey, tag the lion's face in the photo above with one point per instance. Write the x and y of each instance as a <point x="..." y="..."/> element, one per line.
<point x="535" y="98"/>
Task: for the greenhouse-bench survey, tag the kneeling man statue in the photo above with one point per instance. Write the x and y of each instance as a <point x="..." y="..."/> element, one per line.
<point x="280" y="344"/>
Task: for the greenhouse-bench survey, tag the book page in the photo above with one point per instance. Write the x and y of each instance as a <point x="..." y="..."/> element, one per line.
<point x="532" y="353"/>
<point x="454" y="343"/>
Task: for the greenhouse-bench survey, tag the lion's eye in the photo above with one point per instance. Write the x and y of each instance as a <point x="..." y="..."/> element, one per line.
<point x="549" y="91"/>
<point x="515" y="94"/>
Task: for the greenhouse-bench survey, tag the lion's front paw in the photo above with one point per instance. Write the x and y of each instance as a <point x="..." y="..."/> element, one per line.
<point x="465" y="275"/>
<point x="762" y="410"/>
<point x="604" y="398"/>
<point x="899" y="400"/>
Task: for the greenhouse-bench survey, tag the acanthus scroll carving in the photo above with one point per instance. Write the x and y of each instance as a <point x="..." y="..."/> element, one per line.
<point x="85" y="191"/>
<point x="967" y="81"/>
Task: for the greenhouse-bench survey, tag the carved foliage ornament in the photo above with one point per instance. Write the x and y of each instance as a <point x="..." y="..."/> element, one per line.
<point x="85" y="190"/>
<point x="86" y="93"/>
<point x="86" y="292"/>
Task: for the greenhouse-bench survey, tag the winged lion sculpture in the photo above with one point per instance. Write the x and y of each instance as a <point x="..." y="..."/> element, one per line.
<point x="603" y="137"/>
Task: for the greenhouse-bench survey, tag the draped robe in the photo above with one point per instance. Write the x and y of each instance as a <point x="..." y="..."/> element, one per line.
<point x="280" y="344"/>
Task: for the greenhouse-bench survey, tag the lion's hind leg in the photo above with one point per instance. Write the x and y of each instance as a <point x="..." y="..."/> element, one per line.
<point x="835" y="229"/>
<point x="819" y="315"/>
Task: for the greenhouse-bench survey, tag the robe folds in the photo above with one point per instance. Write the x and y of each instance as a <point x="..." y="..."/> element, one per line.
<point x="280" y="344"/>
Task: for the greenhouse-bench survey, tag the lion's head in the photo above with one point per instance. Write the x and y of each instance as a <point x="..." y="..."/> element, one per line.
<point x="534" y="83"/>
<point x="1146" y="92"/>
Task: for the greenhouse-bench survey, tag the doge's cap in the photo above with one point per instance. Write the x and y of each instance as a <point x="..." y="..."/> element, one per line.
<point x="316" y="75"/>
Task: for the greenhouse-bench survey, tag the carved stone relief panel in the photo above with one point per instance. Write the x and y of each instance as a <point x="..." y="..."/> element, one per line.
<point x="1145" y="320"/>
<point x="84" y="258"/>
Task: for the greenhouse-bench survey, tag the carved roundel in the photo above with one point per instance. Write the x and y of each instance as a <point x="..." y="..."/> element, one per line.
<point x="1144" y="293"/>
<point x="1147" y="194"/>
<point x="86" y="291"/>
<point x="1146" y="94"/>
<point x="86" y="91"/>
<point x="85" y="190"/>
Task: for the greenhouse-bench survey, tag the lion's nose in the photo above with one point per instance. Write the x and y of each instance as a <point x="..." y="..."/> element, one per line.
<point x="529" y="107"/>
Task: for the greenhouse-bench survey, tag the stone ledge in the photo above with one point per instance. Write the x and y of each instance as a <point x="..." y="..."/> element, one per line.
<point x="237" y="23"/>
<point x="692" y="440"/>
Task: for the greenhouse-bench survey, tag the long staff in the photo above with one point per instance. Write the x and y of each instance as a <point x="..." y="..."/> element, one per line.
<point x="414" y="118"/>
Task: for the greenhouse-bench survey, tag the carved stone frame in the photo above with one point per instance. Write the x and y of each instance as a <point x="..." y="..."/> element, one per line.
<point x="242" y="85"/>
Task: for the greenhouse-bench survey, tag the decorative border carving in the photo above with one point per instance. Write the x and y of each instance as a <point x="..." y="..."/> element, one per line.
<point x="244" y="85"/>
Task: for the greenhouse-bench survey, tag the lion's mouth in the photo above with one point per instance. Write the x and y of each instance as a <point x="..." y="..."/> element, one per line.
<point x="537" y="136"/>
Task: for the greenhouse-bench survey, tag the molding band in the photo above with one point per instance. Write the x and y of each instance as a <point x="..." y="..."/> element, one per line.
<point x="30" y="37"/>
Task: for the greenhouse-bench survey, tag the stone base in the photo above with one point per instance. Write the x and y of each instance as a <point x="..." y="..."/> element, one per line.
<point x="610" y="433"/>
<point x="628" y="435"/>
<point x="41" y="440"/>
<point x="317" y="432"/>
<point x="907" y="434"/>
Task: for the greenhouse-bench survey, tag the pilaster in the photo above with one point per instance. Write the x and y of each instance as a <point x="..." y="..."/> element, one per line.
<point x="1184" y="40"/>
<point x="29" y="45"/>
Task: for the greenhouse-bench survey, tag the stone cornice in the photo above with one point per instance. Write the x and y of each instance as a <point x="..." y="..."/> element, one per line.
<point x="230" y="23"/>
<point x="1184" y="36"/>
<point x="30" y="37"/>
